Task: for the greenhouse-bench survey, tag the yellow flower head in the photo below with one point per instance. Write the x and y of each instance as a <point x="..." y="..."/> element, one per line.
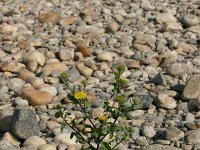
<point x="103" y="118"/>
<point x="80" y="95"/>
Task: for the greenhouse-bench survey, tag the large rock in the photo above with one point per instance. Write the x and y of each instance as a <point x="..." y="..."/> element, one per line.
<point x="6" y="116"/>
<point x="36" y="97"/>
<point x="192" y="88"/>
<point x="4" y="145"/>
<point x="190" y="20"/>
<point x="173" y="134"/>
<point x="24" y="124"/>
<point x="34" y="141"/>
<point x="193" y="137"/>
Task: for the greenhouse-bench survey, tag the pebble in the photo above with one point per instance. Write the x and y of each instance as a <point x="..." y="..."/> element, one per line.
<point x="159" y="146"/>
<point x="85" y="71"/>
<point x="64" y="138"/>
<point x="158" y="41"/>
<point x="105" y="56"/>
<point x="4" y="145"/>
<point x="36" y="97"/>
<point x="10" y="138"/>
<point x="47" y="147"/>
<point x="15" y="84"/>
<point x="24" y="124"/>
<point x="165" y="101"/>
<point x="148" y="131"/>
<point x="54" y="66"/>
<point x="6" y="116"/>
<point x="190" y="20"/>
<point x="34" y="141"/>
<point x="192" y="88"/>
<point x="66" y="54"/>
<point x="173" y="134"/>
<point x="49" y="89"/>
<point x="49" y="17"/>
<point x="193" y="137"/>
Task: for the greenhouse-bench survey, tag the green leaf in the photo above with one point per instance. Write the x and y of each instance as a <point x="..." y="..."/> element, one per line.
<point x="73" y="99"/>
<point x="64" y="76"/>
<point x="58" y="114"/>
<point x="72" y="135"/>
<point x="105" y="146"/>
<point x="121" y="68"/>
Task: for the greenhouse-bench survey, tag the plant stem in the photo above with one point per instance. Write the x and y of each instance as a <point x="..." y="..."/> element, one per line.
<point x="118" y="114"/>
<point x="87" y="115"/>
<point x="74" y="129"/>
<point x="118" y="143"/>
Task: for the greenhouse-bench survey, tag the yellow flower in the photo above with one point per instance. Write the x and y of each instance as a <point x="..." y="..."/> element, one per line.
<point x="80" y="95"/>
<point x="103" y="118"/>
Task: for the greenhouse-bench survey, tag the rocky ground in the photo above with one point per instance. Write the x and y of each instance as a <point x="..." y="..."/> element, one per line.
<point x="158" y="41"/>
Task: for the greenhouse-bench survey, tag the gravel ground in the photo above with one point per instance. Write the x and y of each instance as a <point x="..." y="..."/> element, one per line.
<point x="158" y="41"/>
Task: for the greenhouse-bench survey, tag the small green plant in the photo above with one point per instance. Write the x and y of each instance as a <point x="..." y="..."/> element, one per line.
<point x="100" y="133"/>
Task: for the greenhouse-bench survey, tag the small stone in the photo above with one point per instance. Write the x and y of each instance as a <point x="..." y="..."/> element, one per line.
<point x="49" y="89"/>
<point x="68" y="20"/>
<point x="165" y="17"/>
<point x="145" y="39"/>
<point x="173" y="134"/>
<point x="167" y="102"/>
<point x="36" y="97"/>
<point x="12" y="67"/>
<point x="189" y="118"/>
<point x="96" y="112"/>
<point x="185" y="47"/>
<point x="193" y="137"/>
<point x="47" y="147"/>
<point x="105" y="56"/>
<point x="49" y="17"/>
<point x="10" y="138"/>
<point x="136" y="113"/>
<point x="24" y="124"/>
<point x="190" y="20"/>
<point x="53" y="66"/>
<point x="35" y="81"/>
<point x="24" y="45"/>
<point x="64" y="138"/>
<point x="148" y="131"/>
<point x="141" y="141"/>
<point x="159" y="147"/>
<point x="74" y="74"/>
<point x="197" y="102"/>
<point x="65" y="54"/>
<point x="169" y="58"/>
<point x="159" y="79"/>
<point x="25" y="74"/>
<point x="19" y="102"/>
<point x="6" y="116"/>
<point x="34" y="141"/>
<point x="15" y="84"/>
<point x="83" y="47"/>
<point x="192" y="88"/>
<point x="172" y="27"/>
<point x="4" y="145"/>
<point x="85" y="71"/>
<point x="133" y="64"/>
<point x="179" y="69"/>
<point x="112" y="27"/>
<point x="33" y="59"/>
